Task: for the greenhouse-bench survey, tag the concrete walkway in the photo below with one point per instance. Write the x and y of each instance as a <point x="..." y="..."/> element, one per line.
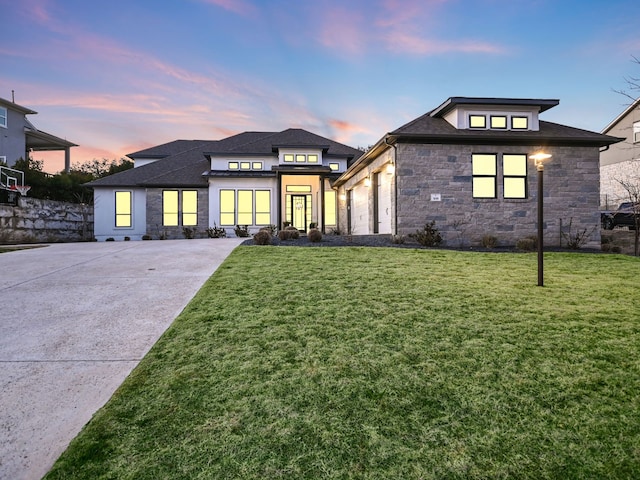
<point x="75" y="319"/>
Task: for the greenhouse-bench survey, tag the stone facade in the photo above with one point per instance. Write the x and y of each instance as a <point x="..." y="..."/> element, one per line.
<point x="33" y="220"/>
<point x="157" y="230"/>
<point x="428" y="172"/>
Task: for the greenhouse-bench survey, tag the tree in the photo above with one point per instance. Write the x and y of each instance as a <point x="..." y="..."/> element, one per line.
<point x="103" y="167"/>
<point x="631" y="184"/>
<point x="633" y="84"/>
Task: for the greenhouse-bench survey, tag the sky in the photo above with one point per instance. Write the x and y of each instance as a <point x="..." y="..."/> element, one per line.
<point x="119" y="76"/>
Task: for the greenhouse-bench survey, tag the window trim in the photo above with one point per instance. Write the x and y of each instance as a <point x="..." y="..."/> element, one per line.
<point x="234" y="165"/>
<point x="185" y="212"/>
<point x="174" y="213"/>
<point x="224" y="212"/>
<point x="128" y="215"/>
<point x="636" y="132"/>
<point x="524" y="177"/>
<point x="288" y="158"/>
<point x="255" y="209"/>
<point x="4" y="118"/>
<point x="336" y="165"/>
<point x="494" y="176"/>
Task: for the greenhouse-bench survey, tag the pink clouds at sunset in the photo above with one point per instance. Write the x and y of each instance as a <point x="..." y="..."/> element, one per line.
<point x="115" y="77"/>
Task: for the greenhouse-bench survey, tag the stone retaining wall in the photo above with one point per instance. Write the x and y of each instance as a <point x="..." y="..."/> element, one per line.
<point x="33" y="220"/>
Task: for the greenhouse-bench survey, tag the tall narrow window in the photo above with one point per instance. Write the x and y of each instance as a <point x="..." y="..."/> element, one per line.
<point x="227" y="207"/>
<point x="189" y="207"/>
<point x="245" y="207"/>
<point x="514" y="172"/>
<point x="330" y="207"/>
<point x="123" y="209"/>
<point x="636" y="132"/>
<point x="263" y="207"/>
<point x="3" y="117"/>
<point x="170" y="208"/>
<point x="483" y="166"/>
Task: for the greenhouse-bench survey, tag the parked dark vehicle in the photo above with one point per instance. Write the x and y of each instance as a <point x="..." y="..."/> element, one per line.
<point x="624" y="216"/>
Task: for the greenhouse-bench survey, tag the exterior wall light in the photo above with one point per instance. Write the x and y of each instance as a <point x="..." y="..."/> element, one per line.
<point x="367" y="182"/>
<point x="391" y="168"/>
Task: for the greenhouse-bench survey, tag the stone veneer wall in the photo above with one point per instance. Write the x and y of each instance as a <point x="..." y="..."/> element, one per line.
<point x="612" y="193"/>
<point x="33" y="220"/>
<point x="571" y="194"/>
<point x="154" y="215"/>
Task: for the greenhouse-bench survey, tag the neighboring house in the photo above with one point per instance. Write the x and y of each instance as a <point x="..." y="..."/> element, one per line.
<point x="621" y="162"/>
<point x="466" y="166"/>
<point x="253" y="178"/>
<point x="19" y="137"/>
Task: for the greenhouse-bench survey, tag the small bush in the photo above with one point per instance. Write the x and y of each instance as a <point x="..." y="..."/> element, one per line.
<point x="314" y="235"/>
<point x="241" y="231"/>
<point x="127" y="239"/>
<point x="146" y="237"/>
<point x="428" y="236"/>
<point x="215" y="232"/>
<point x="284" y="235"/>
<point x="578" y="238"/>
<point x="313" y="225"/>
<point x="263" y="237"/>
<point x="189" y="232"/>
<point x="294" y="233"/>
<point x="336" y="231"/>
<point x="110" y="239"/>
<point x="489" y="241"/>
<point x="527" y="244"/>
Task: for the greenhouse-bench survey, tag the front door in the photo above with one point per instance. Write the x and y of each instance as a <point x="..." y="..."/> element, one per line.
<point x="299" y="212"/>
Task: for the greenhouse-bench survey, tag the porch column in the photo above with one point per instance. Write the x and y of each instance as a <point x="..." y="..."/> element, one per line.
<point x="67" y="159"/>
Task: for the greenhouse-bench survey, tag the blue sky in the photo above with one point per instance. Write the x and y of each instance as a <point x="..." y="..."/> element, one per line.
<point x="119" y="76"/>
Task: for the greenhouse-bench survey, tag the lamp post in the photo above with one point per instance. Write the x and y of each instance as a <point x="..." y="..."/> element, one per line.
<point x="539" y="159"/>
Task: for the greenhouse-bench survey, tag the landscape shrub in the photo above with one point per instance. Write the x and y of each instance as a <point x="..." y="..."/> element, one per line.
<point x="263" y="237"/>
<point x="489" y="241"/>
<point x="527" y="244"/>
<point x="241" y="231"/>
<point x="294" y="233"/>
<point x="314" y="235"/>
<point x="189" y="232"/>
<point x="397" y="239"/>
<point x="215" y="232"/>
<point x="428" y="236"/>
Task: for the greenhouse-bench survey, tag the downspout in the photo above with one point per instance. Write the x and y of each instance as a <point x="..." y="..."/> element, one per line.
<point x="395" y="184"/>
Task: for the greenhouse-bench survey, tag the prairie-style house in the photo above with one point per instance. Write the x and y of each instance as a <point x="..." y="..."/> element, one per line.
<point x="465" y="165"/>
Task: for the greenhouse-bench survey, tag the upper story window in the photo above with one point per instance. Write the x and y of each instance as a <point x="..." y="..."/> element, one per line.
<point x="499" y="122"/>
<point x="636" y="132"/>
<point x="519" y="123"/>
<point x="311" y="158"/>
<point x="3" y="117"/>
<point x="334" y="167"/>
<point x="245" y="166"/>
<point x="477" y="121"/>
<point x="288" y="157"/>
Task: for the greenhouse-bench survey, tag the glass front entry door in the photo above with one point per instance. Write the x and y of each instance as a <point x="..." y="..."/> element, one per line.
<point x="299" y="212"/>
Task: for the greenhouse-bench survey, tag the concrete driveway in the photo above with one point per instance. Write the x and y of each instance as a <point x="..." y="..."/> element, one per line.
<point x="75" y="319"/>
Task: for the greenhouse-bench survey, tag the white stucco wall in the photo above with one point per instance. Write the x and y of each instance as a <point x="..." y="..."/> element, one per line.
<point x="104" y="208"/>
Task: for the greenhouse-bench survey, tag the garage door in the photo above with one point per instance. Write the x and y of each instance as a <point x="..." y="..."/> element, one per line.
<point x="360" y="210"/>
<point x="384" y="202"/>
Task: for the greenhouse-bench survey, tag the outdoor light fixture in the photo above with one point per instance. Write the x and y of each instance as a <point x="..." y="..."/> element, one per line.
<point x="539" y="159"/>
<point x="367" y="182"/>
<point x="391" y="168"/>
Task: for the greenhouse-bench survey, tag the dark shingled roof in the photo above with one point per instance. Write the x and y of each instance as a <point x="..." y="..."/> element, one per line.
<point x="184" y="163"/>
<point x="427" y="129"/>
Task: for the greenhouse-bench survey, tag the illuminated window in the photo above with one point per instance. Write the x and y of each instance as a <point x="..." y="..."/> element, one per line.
<point x="189" y="207"/>
<point x="3" y="117"/>
<point x="330" y="207"/>
<point x="312" y="158"/>
<point x="299" y="188"/>
<point x="245" y="207"/>
<point x="498" y="121"/>
<point x="245" y="165"/>
<point x="170" y="208"/>
<point x="227" y="207"/>
<point x="263" y="207"/>
<point x="123" y="209"/>
<point x="234" y="165"/>
<point x="301" y="158"/>
<point x="514" y="172"/>
<point x="477" y="121"/>
<point x="334" y="167"/>
<point x="519" y="123"/>
<point x="288" y="157"/>
<point x="483" y="166"/>
<point x="256" y="165"/>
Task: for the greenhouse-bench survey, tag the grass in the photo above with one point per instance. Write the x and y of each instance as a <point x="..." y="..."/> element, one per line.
<point x="384" y="363"/>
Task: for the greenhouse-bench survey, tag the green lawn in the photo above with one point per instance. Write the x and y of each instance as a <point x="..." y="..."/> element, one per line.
<point x="384" y="364"/>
